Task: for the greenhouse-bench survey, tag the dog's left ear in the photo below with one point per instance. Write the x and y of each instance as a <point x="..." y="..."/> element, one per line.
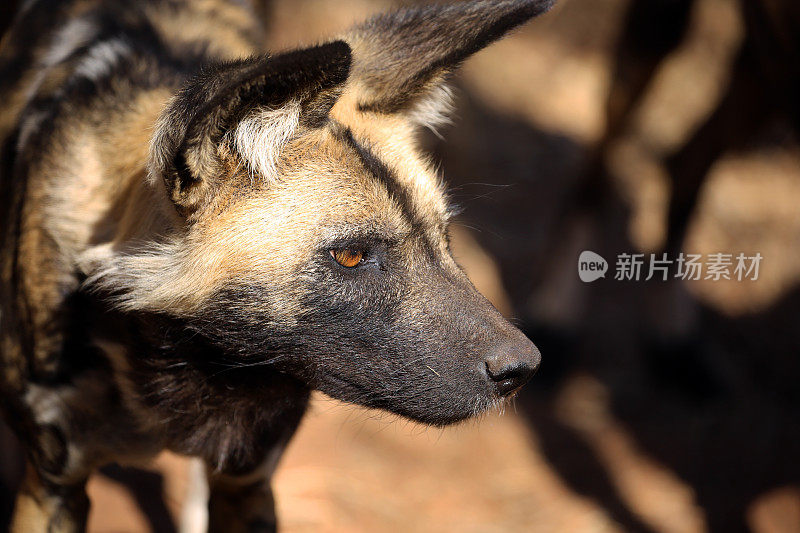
<point x="401" y="59"/>
<point x="252" y="106"/>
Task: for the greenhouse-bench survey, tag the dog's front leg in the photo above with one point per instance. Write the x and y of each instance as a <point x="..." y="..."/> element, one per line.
<point x="241" y="504"/>
<point x="240" y="495"/>
<point x="42" y="506"/>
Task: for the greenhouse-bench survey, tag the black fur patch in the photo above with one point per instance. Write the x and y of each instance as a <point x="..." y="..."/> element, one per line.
<point x="230" y="410"/>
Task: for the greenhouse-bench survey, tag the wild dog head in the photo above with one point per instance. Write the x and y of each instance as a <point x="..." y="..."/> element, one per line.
<point x="311" y="233"/>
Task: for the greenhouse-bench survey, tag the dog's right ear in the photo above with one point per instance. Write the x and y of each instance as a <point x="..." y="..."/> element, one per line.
<point x="400" y="59"/>
<point x="252" y="107"/>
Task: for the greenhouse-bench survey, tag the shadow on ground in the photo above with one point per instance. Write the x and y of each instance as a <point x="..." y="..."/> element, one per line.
<point x="715" y="399"/>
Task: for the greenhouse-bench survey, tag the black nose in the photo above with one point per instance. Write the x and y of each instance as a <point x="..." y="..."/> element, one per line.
<point x="513" y="366"/>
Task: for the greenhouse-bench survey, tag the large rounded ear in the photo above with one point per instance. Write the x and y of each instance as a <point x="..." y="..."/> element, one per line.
<point x="252" y="106"/>
<point x="400" y="59"/>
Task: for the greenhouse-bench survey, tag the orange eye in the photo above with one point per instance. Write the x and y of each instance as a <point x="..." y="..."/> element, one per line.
<point x="347" y="258"/>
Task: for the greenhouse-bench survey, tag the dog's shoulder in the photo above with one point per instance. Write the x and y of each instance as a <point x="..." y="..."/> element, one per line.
<point x="82" y="84"/>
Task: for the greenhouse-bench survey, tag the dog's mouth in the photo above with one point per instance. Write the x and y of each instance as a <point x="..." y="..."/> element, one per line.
<point x="340" y="386"/>
<point x="440" y="411"/>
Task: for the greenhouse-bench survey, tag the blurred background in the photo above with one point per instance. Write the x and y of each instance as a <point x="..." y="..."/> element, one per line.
<point x="617" y="126"/>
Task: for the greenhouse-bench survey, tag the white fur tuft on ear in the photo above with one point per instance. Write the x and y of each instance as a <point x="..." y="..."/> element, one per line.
<point x="433" y="110"/>
<point x="260" y="137"/>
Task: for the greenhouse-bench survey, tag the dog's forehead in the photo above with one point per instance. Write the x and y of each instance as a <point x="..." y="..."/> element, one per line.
<point x="322" y="189"/>
<point x="393" y="138"/>
<point x="359" y="173"/>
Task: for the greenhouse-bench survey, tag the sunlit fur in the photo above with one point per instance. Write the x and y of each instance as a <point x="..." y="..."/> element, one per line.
<point x="169" y="197"/>
<point x="261" y="137"/>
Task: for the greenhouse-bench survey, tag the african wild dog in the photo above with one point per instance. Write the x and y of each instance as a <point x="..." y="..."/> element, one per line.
<point x="194" y="236"/>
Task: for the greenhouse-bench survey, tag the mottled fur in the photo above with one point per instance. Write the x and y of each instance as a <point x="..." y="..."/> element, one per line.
<point x="169" y="201"/>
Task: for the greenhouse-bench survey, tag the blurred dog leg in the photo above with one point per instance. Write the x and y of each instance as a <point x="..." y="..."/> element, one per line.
<point x="8" y="8"/>
<point x="652" y="29"/>
<point x="194" y="516"/>
<point x="12" y="468"/>
<point x="742" y="110"/>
